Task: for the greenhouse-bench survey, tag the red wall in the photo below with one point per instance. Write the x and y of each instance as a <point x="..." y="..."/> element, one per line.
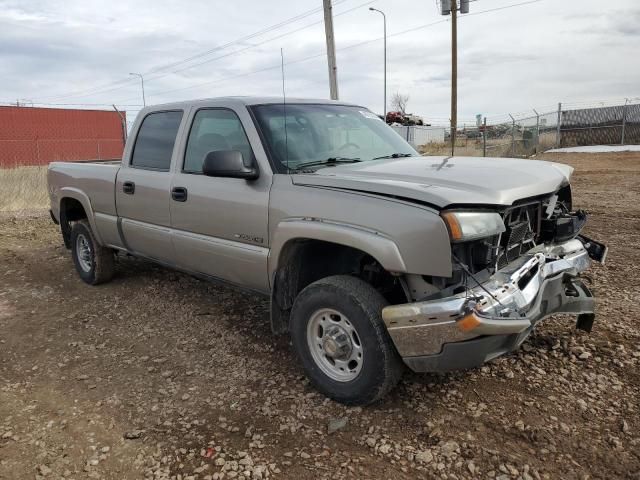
<point x="37" y="136"/>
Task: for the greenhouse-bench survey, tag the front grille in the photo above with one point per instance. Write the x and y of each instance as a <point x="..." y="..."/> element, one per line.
<point x="522" y="224"/>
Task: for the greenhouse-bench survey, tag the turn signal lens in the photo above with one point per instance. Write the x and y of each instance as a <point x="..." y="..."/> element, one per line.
<point x="468" y="322"/>
<point x="455" y="230"/>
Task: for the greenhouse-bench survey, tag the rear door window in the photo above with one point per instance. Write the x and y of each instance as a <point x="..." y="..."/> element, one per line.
<point x="155" y="141"/>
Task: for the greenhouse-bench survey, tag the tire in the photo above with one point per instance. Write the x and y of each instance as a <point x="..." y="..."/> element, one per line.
<point x="94" y="263"/>
<point x="354" y="369"/>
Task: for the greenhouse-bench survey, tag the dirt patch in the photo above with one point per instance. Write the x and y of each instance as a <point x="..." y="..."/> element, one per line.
<point x="157" y="375"/>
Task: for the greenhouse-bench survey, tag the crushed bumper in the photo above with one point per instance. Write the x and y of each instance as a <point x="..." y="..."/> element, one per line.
<point x="495" y="317"/>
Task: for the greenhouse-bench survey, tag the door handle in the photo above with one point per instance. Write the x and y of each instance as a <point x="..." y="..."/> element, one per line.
<point x="129" y="188"/>
<point x="179" y="194"/>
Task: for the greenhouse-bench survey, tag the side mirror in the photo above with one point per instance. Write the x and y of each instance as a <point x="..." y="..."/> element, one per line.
<point x="228" y="163"/>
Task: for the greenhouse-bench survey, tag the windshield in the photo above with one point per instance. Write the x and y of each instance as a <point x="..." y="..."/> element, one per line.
<point x="318" y="134"/>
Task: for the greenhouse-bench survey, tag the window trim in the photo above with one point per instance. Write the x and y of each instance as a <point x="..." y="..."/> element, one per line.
<point x="133" y="148"/>
<point x="193" y="120"/>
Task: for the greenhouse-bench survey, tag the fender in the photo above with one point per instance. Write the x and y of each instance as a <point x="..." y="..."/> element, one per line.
<point x="83" y="198"/>
<point x="380" y="247"/>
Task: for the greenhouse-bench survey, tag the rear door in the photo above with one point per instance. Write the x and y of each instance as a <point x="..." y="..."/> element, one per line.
<point x="143" y="188"/>
<point x="221" y="224"/>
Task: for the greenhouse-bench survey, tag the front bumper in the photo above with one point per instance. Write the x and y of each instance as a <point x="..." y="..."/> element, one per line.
<point x="495" y="317"/>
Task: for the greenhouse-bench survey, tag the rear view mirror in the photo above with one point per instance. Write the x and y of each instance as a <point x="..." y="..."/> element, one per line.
<point x="228" y="163"/>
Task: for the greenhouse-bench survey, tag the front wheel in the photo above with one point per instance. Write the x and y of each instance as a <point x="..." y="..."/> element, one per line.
<point x="339" y="335"/>
<point x="94" y="263"/>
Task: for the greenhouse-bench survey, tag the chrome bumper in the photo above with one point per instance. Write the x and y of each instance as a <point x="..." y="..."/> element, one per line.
<point x="540" y="283"/>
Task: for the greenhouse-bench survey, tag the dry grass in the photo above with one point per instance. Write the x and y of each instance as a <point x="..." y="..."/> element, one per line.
<point x="496" y="147"/>
<point x="468" y="148"/>
<point x="23" y="188"/>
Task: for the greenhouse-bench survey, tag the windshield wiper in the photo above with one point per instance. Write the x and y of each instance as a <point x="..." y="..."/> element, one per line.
<point x="394" y="155"/>
<point x="327" y="162"/>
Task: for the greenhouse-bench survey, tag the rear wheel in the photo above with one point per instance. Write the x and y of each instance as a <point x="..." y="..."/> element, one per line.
<point x="340" y="338"/>
<point x="94" y="263"/>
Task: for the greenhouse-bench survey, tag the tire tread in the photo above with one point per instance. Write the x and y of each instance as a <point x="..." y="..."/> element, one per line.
<point x="103" y="258"/>
<point x="372" y="303"/>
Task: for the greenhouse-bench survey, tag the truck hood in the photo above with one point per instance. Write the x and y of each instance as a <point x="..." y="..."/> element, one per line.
<point x="443" y="181"/>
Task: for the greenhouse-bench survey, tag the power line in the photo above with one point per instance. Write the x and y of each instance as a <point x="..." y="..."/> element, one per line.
<point x="121" y="83"/>
<point x="310" y="57"/>
<point x="240" y="50"/>
<point x="244" y="39"/>
<point x="273" y="67"/>
<point x="73" y="104"/>
<point x="258" y="44"/>
<point x="504" y="7"/>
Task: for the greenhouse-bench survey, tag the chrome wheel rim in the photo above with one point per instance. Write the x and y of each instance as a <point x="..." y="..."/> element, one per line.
<point x="83" y="252"/>
<point x="335" y="345"/>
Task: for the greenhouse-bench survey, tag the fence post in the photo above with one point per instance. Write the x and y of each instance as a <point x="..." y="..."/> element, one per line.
<point x="513" y="135"/>
<point x="484" y="137"/>
<point x="559" y="122"/>
<point x="123" y="120"/>
<point x="624" y="119"/>
<point x="537" y="130"/>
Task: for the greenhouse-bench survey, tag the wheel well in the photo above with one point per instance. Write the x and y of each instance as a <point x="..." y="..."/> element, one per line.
<point x="71" y="210"/>
<point x="303" y="261"/>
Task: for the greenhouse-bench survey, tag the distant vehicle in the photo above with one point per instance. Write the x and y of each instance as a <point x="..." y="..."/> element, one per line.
<point x="374" y="258"/>
<point x="400" y="118"/>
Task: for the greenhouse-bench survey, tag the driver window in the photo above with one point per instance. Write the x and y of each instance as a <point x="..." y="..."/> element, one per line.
<point x="214" y="129"/>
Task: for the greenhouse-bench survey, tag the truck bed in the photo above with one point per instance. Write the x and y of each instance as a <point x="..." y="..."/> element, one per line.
<point x="95" y="179"/>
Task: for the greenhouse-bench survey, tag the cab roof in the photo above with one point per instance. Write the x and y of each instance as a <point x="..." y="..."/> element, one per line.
<point x="241" y="101"/>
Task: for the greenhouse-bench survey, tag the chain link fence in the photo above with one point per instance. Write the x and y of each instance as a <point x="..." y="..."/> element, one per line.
<point x="524" y="136"/>
<point x="418" y="135"/>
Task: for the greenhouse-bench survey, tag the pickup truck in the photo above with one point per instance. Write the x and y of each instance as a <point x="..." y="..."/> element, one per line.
<point x="374" y="258"/>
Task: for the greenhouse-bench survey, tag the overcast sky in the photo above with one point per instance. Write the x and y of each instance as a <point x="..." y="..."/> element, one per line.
<point x="510" y="60"/>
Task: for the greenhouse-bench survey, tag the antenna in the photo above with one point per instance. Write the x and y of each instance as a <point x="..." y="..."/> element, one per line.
<point x="284" y="109"/>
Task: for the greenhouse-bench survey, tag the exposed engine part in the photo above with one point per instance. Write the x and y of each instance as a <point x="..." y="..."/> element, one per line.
<point x="561" y="226"/>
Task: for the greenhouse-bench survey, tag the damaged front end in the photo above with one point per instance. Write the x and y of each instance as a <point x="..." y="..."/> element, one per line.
<point x="501" y="287"/>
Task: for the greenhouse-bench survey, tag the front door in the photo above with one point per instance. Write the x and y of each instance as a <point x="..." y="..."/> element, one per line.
<point x="220" y="225"/>
<point x="143" y="188"/>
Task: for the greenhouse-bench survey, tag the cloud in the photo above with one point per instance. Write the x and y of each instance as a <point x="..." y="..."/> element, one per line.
<point x="509" y="60"/>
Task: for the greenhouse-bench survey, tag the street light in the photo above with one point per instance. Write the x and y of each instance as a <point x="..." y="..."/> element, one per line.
<point x="144" y="102"/>
<point x="384" y="17"/>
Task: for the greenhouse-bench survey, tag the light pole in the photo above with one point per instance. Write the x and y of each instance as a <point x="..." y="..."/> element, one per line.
<point x="144" y="102"/>
<point x="384" y="18"/>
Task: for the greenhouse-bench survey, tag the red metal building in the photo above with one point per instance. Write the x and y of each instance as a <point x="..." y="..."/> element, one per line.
<point x="37" y="136"/>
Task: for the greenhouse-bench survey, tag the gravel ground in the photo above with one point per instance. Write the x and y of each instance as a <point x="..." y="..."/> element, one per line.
<point x="160" y="375"/>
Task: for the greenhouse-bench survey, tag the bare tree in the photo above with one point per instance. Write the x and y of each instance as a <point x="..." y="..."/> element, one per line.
<point x="399" y="102"/>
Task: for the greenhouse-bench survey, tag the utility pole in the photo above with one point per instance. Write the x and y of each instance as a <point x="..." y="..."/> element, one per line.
<point x="454" y="74"/>
<point x="450" y="7"/>
<point x="331" y="49"/>
<point x="384" y="18"/>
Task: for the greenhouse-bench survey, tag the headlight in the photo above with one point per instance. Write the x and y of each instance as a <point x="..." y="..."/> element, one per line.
<point x="464" y="226"/>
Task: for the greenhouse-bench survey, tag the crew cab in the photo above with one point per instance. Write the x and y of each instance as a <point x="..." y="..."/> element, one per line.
<point x="374" y="258"/>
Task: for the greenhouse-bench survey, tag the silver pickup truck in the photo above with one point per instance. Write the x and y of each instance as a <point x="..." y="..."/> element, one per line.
<point x="374" y="257"/>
